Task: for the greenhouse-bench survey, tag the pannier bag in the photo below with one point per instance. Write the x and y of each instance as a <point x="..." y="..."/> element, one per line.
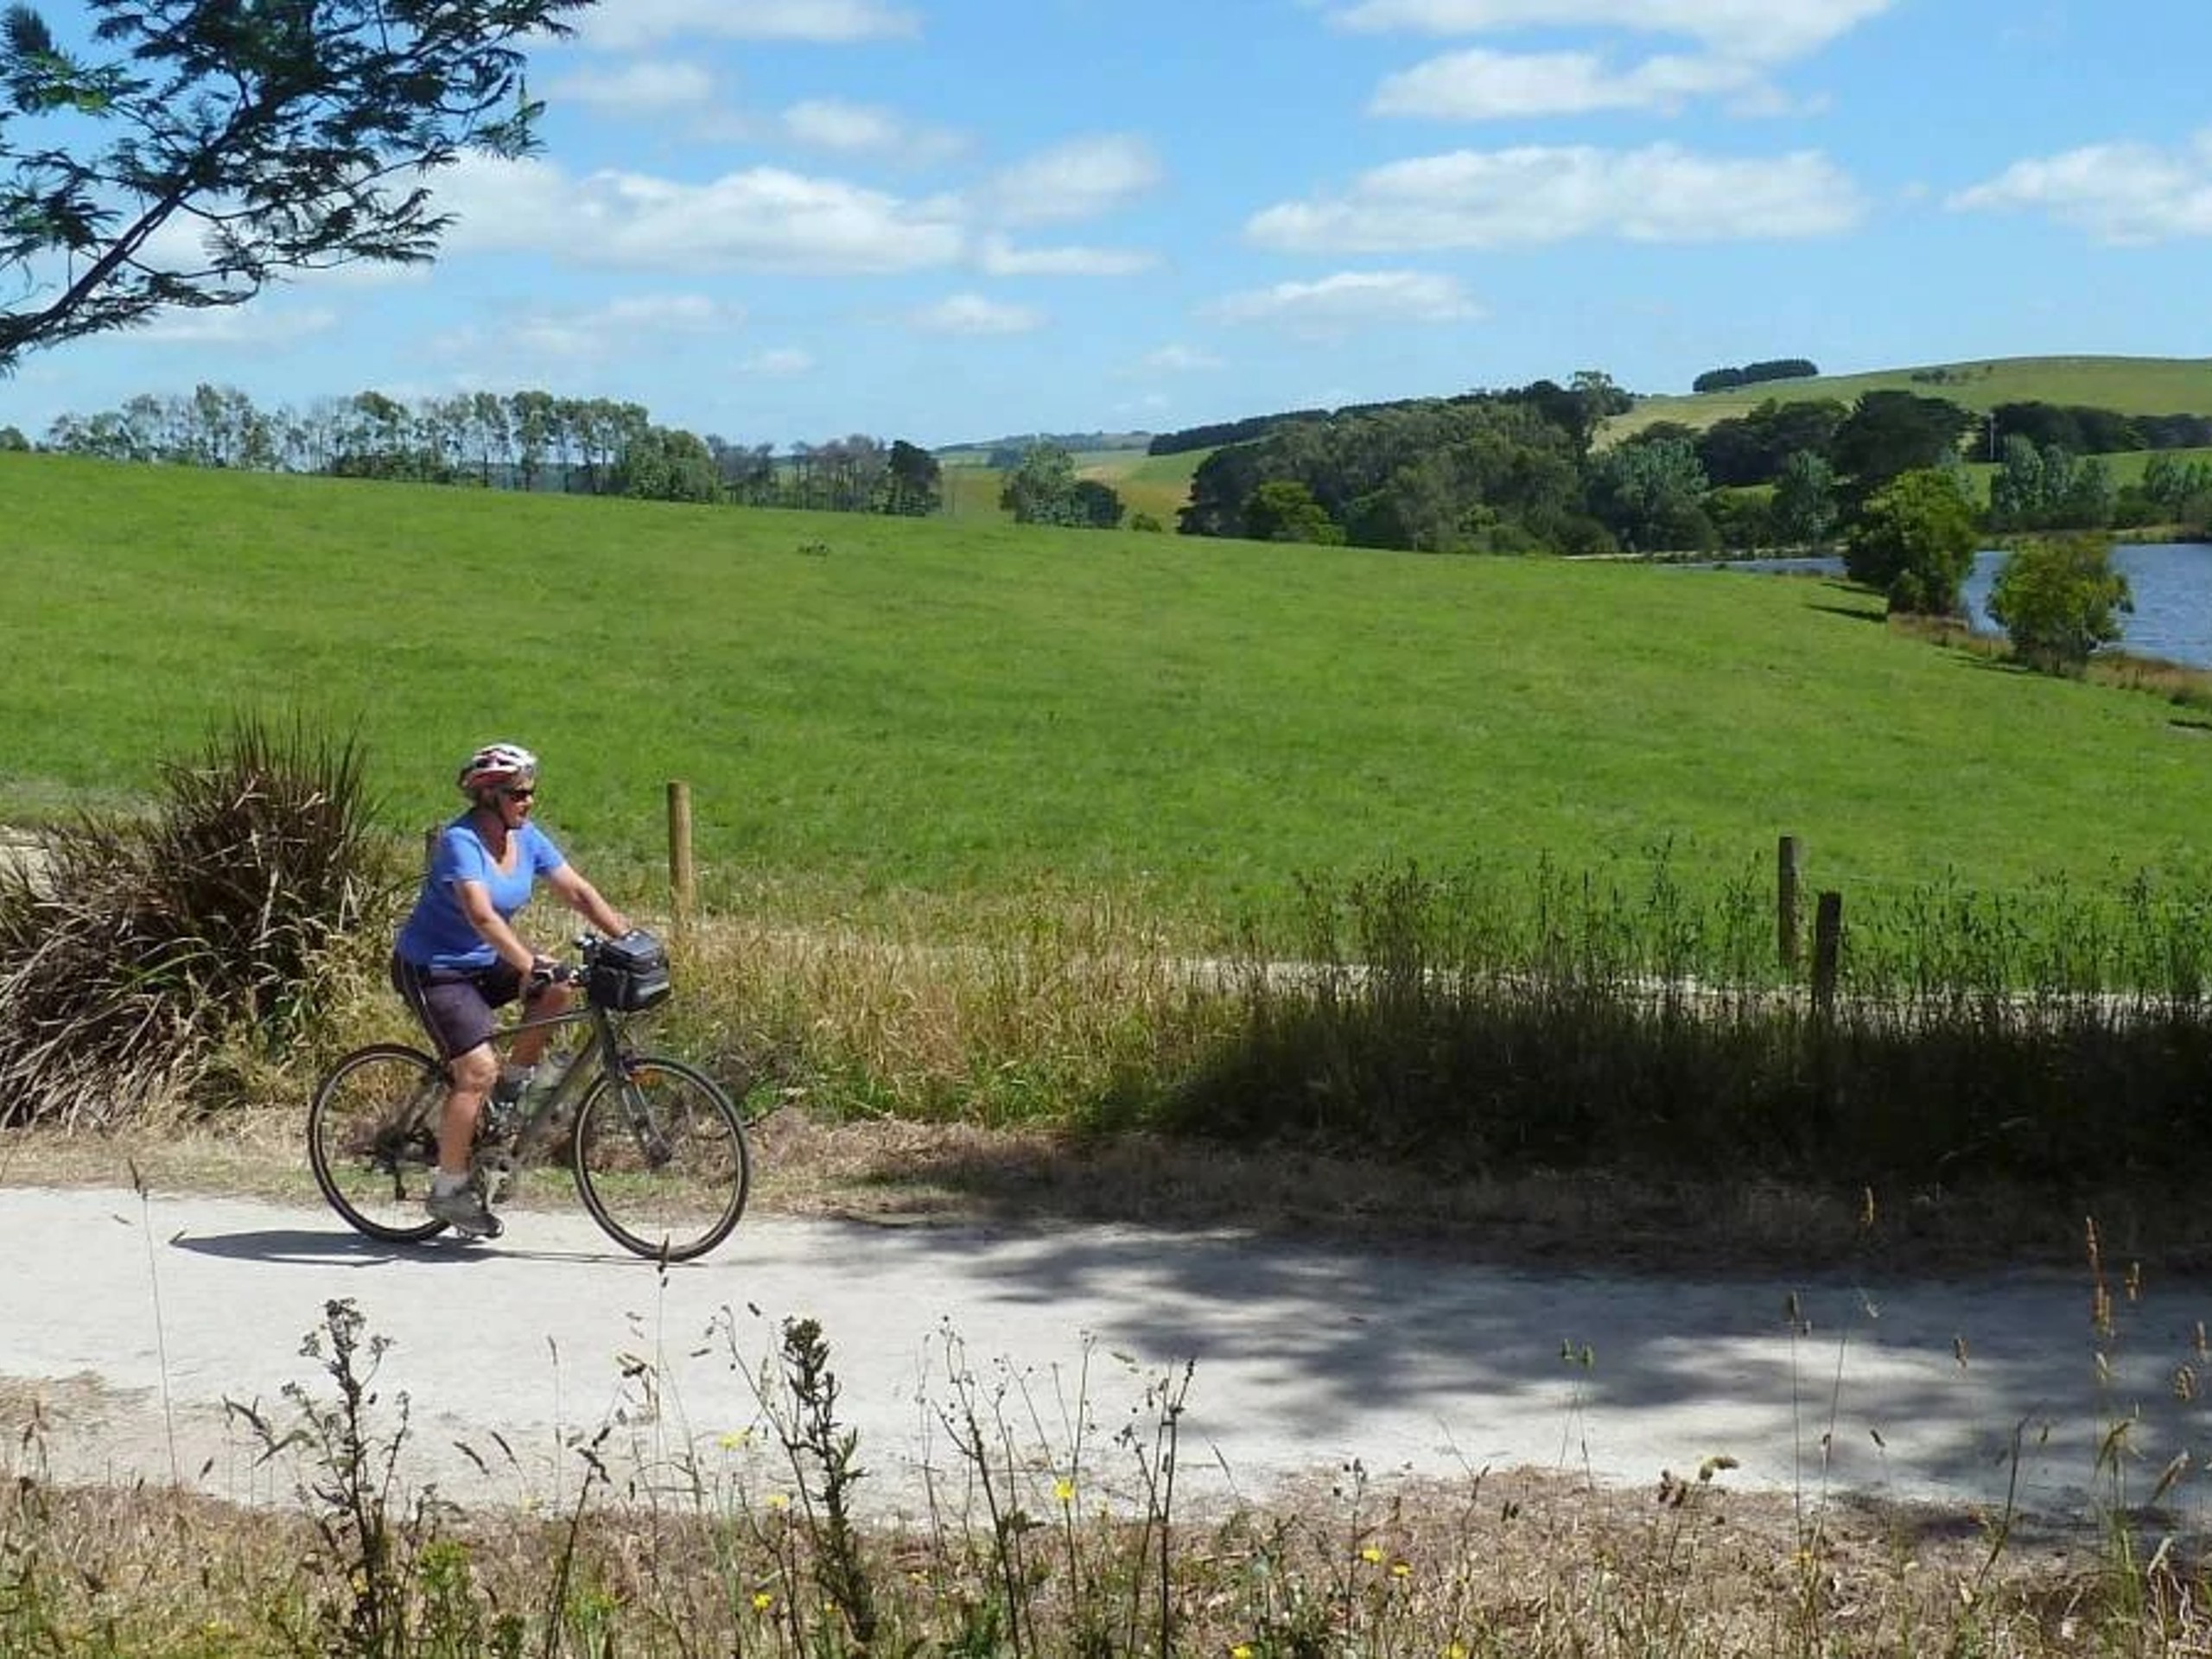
<point x="630" y="973"/>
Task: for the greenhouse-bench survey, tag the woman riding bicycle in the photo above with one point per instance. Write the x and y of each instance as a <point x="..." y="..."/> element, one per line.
<point x="458" y="956"/>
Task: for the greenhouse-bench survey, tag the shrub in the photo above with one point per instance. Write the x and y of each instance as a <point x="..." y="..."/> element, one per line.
<point x="131" y="949"/>
<point x="2059" y="601"/>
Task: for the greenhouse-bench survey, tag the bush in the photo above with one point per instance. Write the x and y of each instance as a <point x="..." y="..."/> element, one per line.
<point x="132" y="948"/>
<point x="2059" y="601"/>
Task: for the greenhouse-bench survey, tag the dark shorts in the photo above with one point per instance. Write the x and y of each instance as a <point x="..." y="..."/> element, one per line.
<point x="455" y="1004"/>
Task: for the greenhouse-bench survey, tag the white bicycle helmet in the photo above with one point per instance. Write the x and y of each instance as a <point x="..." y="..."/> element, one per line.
<point x="496" y="763"/>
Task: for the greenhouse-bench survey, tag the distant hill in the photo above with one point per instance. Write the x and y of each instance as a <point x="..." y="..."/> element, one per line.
<point x="978" y="453"/>
<point x="2132" y="385"/>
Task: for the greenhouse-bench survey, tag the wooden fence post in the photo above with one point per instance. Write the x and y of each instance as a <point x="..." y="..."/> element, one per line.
<point x="1827" y="950"/>
<point x="683" y="886"/>
<point x="1785" y="903"/>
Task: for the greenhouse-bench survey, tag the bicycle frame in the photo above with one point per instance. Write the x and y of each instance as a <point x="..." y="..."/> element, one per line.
<point x="577" y="1072"/>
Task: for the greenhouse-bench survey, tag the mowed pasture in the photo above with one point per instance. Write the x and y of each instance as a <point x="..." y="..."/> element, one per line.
<point x="866" y="706"/>
<point x="2134" y="385"/>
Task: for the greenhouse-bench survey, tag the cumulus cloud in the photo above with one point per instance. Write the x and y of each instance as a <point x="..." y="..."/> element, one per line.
<point x="972" y="314"/>
<point x="1081" y="179"/>
<point x="1483" y="85"/>
<point x="761" y="218"/>
<point x="641" y="87"/>
<point x="2123" y="194"/>
<point x="865" y="129"/>
<point x="1001" y="257"/>
<point x="1178" y="359"/>
<point x="1740" y="39"/>
<point x="1352" y="299"/>
<point x="261" y="327"/>
<point x="620" y="326"/>
<point x="1762" y="31"/>
<point x="626" y="25"/>
<point x="1532" y="195"/>
<point x="778" y="363"/>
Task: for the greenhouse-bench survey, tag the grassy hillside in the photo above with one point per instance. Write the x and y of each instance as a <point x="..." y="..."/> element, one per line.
<point x="1159" y="485"/>
<point x="866" y="704"/>
<point x="2134" y="385"/>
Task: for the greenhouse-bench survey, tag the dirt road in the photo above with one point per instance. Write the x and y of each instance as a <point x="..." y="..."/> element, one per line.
<point x="132" y="1320"/>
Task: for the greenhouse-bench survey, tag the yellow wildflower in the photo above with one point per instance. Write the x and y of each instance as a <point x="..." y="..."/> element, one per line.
<point x="1063" y="1490"/>
<point x="762" y="1601"/>
<point x="1371" y="1556"/>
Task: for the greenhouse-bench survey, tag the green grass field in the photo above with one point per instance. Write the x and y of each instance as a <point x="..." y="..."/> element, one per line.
<point x="2134" y="385"/>
<point x="870" y="705"/>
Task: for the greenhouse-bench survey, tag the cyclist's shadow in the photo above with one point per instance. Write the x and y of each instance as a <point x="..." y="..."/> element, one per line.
<point x="340" y="1248"/>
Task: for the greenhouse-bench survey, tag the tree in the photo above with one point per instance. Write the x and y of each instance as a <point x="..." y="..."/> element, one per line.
<point x="914" y="481"/>
<point x="1098" y="504"/>
<point x="1804" y="500"/>
<point x="1888" y="433"/>
<point x="1649" y="495"/>
<point x="664" y="464"/>
<point x="1915" y="540"/>
<point x="13" y="442"/>
<point x="1285" y="511"/>
<point x="1041" y="490"/>
<point x="2059" y="601"/>
<point x="290" y="135"/>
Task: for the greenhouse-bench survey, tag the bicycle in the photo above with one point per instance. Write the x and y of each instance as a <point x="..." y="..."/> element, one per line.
<point x="656" y="1148"/>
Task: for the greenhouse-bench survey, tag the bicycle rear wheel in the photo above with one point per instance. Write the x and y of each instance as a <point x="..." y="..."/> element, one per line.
<point x="660" y="1157"/>
<point x="373" y="1137"/>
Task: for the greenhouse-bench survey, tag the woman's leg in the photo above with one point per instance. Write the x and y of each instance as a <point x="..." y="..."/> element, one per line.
<point x="473" y="1074"/>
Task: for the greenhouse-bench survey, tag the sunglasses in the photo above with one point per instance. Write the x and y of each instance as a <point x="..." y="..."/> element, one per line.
<point x="517" y="794"/>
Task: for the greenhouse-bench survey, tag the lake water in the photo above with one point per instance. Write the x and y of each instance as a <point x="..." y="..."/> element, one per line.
<point x="2172" y="582"/>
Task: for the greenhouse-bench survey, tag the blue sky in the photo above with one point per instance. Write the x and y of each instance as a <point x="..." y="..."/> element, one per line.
<point x="785" y="220"/>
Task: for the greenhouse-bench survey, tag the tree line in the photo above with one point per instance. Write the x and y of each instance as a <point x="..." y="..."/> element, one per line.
<point x="1517" y="471"/>
<point x="1752" y="374"/>
<point x="528" y="440"/>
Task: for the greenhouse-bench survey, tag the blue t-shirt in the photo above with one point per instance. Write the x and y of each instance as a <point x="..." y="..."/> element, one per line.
<point x="438" y="933"/>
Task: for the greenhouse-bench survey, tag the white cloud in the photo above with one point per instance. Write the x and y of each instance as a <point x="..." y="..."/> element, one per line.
<point x="763" y="219"/>
<point x="1483" y="86"/>
<point x="1078" y="179"/>
<point x="864" y="129"/>
<point x="2125" y="194"/>
<point x="1002" y="258"/>
<point x="620" y="327"/>
<point x="263" y="328"/>
<point x="778" y="363"/>
<point x="1532" y="195"/>
<point x="1762" y="31"/>
<point x="626" y="25"/>
<point x="1177" y="358"/>
<point x="972" y="314"/>
<point x="642" y="87"/>
<point x="1351" y="299"/>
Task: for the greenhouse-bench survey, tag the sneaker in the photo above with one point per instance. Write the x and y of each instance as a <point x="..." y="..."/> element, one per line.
<point x="463" y="1210"/>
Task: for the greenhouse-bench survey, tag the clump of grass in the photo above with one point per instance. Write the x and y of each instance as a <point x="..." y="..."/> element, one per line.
<point x="132" y="948"/>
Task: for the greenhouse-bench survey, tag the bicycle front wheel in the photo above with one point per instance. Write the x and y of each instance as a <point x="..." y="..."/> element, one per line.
<point x="373" y="1137"/>
<point x="660" y="1159"/>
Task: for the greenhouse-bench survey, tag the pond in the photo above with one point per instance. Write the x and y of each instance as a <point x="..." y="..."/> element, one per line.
<point x="2172" y="582"/>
